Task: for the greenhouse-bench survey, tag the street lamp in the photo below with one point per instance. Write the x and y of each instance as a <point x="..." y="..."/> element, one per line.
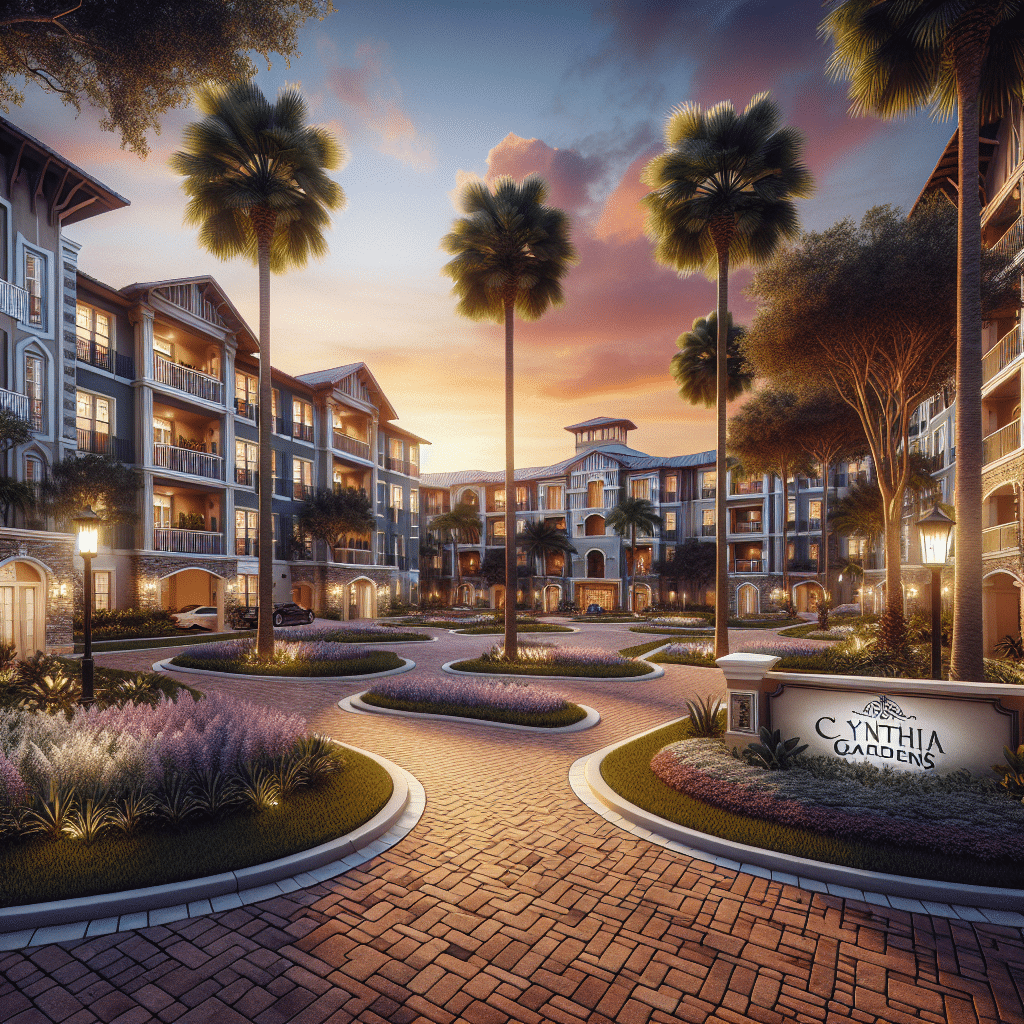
<point x="86" y="525"/>
<point x="935" y="532"/>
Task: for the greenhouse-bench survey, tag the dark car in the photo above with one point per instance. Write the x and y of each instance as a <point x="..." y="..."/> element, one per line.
<point x="594" y="609"/>
<point x="289" y="614"/>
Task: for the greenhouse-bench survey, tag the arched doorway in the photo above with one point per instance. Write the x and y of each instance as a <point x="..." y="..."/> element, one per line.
<point x="362" y="599"/>
<point x="22" y="607"/>
<point x="1000" y="609"/>
<point x="593" y="526"/>
<point x="641" y="597"/>
<point x="552" y="597"/>
<point x="595" y="564"/>
<point x="807" y="596"/>
<point x="465" y="594"/>
<point x="747" y="600"/>
<point x="302" y="595"/>
<point x="497" y="597"/>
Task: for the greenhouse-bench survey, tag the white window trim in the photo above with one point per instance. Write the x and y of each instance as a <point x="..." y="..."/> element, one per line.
<point x="46" y="329"/>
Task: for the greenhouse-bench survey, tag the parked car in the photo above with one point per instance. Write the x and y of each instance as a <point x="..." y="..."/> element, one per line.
<point x="289" y="614"/>
<point x="196" y="616"/>
<point x="594" y="609"/>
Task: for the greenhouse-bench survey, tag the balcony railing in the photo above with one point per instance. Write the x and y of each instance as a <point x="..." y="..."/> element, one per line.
<point x="282" y="488"/>
<point x="301" y="491"/>
<point x="803" y="565"/>
<point x="11" y="401"/>
<point x="343" y="443"/>
<point x="353" y="556"/>
<point x="191" y="382"/>
<point x="1012" y="242"/>
<point x="1000" y="538"/>
<point x="707" y="492"/>
<point x="120" y="448"/>
<point x="402" y="466"/>
<point x="185" y="460"/>
<point x="746" y="565"/>
<point x="14" y="301"/>
<point x="105" y="358"/>
<point x="747" y="487"/>
<point x="246" y="409"/>
<point x="302" y="431"/>
<point x="1007" y="350"/>
<point x="707" y="529"/>
<point x="245" y="476"/>
<point x="1001" y="442"/>
<point x="748" y="526"/>
<point x="189" y="542"/>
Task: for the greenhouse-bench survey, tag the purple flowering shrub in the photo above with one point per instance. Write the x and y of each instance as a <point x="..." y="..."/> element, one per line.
<point x="302" y="657"/>
<point x="549" y="654"/>
<point x="953" y="815"/>
<point x="505" y="694"/>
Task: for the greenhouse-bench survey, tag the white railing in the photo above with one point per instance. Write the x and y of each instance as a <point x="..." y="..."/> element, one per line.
<point x="353" y="556"/>
<point x="14" y="301"/>
<point x="189" y="542"/>
<point x="747" y="526"/>
<point x="999" y="538"/>
<point x="192" y="382"/>
<point x="1004" y="352"/>
<point x="11" y="401"/>
<point x="1001" y="442"/>
<point x="1012" y="242"/>
<point x="185" y="460"/>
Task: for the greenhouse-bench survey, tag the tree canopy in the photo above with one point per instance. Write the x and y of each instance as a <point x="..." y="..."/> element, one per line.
<point x="541" y="538"/>
<point x="136" y="59"/>
<point x="331" y="515"/>
<point x="693" y="563"/>
<point x="110" y="487"/>
<point x="695" y="365"/>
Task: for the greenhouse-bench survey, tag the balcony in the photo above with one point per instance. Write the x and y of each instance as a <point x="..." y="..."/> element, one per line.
<point x="747" y="526"/>
<point x="747" y="487"/>
<point x="98" y="443"/>
<point x="246" y="410"/>
<point x="185" y="460"/>
<point x="14" y="301"/>
<point x="301" y="491"/>
<point x="746" y="565"/>
<point x="707" y="529"/>
<point x="1004" y="537"/>
<point x="353" y="556"/>
<point x="402" y="466"/>
<point x="11" y="401"/>
<point x="1001" y="442"/>
<point x="189" y="542"/>
<point x="302" y="431"/>
<point x="1012" y="242"/>
<point x="245" y="476"/>
<point x="1006" y="351"/>
<point x="189" y="381"/>
<point x="105" y="358"/>
<point x="343" y="443"/>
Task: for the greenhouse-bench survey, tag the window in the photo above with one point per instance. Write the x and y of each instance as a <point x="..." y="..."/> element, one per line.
<point x="247" y="390"/>
<point x="791" y="513"/>
<point x="249" y="591"/>
<point x="670" y="522"/>
<point x="92" y="330"/>
<point x="163" y="347"/>
<point x="595" y="494"/>
<point x="641" y="488"/>
<point x="414" y="501"/>
<point x="414" y="454"/>
<point x="275" y="407"/>
<point x="246" y="531"/>
<point x="247" y="459"/>
<point x="33" y="468"/>
<point x="382" y="495"/>
<point x="93" y="422"/>
<point x="395" y="449"/>
<point x="34" y="390"/>
<point x="553" y="497"/>
<point x="100" y="591"/>
<point x="498" y="528"/>
<point x="707" y="527"/>
<point x="302" y="420"/>
<point x="163" y="431"/>
<point x="162" y="511"/>
<point x="302" y="479"/>
<point x="35" y="277"/>
<point x="672" y="487"/>
<point x="522" y="498"/>
<point x="812" y="553"/>
<point x="380" y="547"/>
<point x="708" y="483"/>
<point x="396" y="496"/>
<point x="814" y="515"/>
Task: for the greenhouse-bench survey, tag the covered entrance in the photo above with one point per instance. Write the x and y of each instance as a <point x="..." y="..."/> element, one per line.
<point x="1000" y="602"/>
<point x="302" y="595"/>
<point x="747" y="600"/>
<point x="807" y="596"/>
<point x="362" y="599"/>
<point x="604" y="594"/>
<point x="195" y="587"/>
<point x="22" y="608"/>
<point x="552" y="597"/>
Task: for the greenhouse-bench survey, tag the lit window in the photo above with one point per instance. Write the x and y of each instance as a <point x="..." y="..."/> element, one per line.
<point x="641" y="488"/>
<point x="246" y="395"/>
<point x="670" y="522"/>
<point x="247" y="457"/>
<point x="93" y="422"/>
<point x="34" y="390"/>
<point x="162" y="511"/>
<point x="302" y="479"/>
<point x="100" y="591"/>
<point x="35" y="275"/>
<point x="246" y="531"/>
<point x="302" y="420"/>
<point x="396" y="496"/>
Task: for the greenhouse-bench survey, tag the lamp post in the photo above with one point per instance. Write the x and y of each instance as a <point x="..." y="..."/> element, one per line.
<point x="935" y="533"/>
<point x="86" y="525"/>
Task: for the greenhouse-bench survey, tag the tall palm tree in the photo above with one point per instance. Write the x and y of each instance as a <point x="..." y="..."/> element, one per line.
<point x="255" y="175"/>
<point x="511" y="253"/>
<point x="722" y="196"/>
<point x="695" y="365"/>
<point x="899" y="55"/>
<point x="540" y="538"/>
<point x="461" y="522"/>
<point x="630" y="515"/>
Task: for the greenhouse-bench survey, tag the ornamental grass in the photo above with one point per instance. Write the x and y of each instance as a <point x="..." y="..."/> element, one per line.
<point x="314" y="657"/>
<point x="547" y="659"/>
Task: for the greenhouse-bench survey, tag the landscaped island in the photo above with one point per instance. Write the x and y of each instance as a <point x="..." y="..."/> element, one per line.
<point x="498" y="700"/>
<point x="548" y="660"/>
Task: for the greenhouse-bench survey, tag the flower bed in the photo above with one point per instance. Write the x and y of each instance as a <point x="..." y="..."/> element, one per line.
<point x="291" y="658"/>
<point x="955" y="815"/>
<point x="548" y="660"/>
<point x="74" y="790"/>
<point x="364" y="633"/>
<point x="678" y="621"/>
<point x="793" y="654"/>
<point x="493" y="700"/>
<point x="521" y="627"/>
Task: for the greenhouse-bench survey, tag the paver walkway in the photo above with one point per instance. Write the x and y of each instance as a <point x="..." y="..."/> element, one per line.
<point x="512" y="901"/>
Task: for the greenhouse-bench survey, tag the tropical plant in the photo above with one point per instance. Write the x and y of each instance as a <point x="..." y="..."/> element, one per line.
<point x="693" y="563"/>
<point x="1012" y="772"/>
<point x="695" y="365"/>
<point x="461" y="523"/>
<point x="540" y="539"/>
<point x="255" y="175"/>
<point x="1011" y="647"/>
<point x="15" y="495"/>
<point x="899" y="55"/>
<point x="632" y="514"/>
<point x="704" y="716"/>
<point x="330" y="515"/>
<point x="722" y="197"/>
<point x="510" y="255"/>
<point x="109" y="487"/>
<point x="773" y="751"/>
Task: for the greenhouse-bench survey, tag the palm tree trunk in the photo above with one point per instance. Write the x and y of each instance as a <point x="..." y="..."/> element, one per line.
<point x="721" y="382"/>
<point x="967" y="657"/>
<point x="785" y="533"/>
<point x="264" y="222"/>
<point x="511" y="640"/>
<point x="456" y="568"/>
<point x="632" y="567"/>
<point x="823" y="562"/>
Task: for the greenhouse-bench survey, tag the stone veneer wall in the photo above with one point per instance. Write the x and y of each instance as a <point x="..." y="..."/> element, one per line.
<point x="324" y="577"/>
<point x="147" y="568"/>
<point x="55" y="551"/>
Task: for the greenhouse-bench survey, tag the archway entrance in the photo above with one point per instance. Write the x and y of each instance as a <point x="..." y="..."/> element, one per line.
<point x="362" y="599"/>
<point x="747" y="600"/>
<point x="195" y="587"/>
<point x="302" y="595"/>
<point x="594" y="526"/>
<point x="595" y="565"/>
<point x="22" y="608"/>
<point x="465" y="594"/>
<point x="807" y="596"/>
<point x="552" y="598"/>
<point x="641" y="597"/>
<point x="1000" y="604"/>
<point x="498" y="597"/>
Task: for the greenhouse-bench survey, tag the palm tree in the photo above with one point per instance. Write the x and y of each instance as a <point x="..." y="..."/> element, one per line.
<point x="462" y="521"/>
<point x="540" y="538"/>
<point x="695" y="365"/>
<point x="630" y="515"/>
<point x="511" y="253"/>
<point x="255" y="175"/>
<point x="722" y="196"/>
<point x="899" y="55"/>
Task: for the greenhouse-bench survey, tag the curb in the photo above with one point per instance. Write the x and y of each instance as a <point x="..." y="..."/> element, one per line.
<point x="166" y="666"/>
<point x="63" y="920"/>
<point x="535" y="632"/>
<point x="656" y="674"/>
<point x="355" y="706"/>
<point x="978" y="903"/>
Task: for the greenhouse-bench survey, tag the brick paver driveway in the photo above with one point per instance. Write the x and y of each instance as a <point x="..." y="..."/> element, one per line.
<point x="512" y="901"/>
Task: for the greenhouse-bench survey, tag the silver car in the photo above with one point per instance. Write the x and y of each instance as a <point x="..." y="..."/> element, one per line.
<point x="196" y="616"/>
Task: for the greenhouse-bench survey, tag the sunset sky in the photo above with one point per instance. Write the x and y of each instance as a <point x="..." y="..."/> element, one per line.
<point x="424" y="95"/>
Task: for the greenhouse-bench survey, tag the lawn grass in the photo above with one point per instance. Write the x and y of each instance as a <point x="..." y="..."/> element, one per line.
<point x="354" y="636"/>
<point x="504" y="668"/>
<point x="606" y="618"/>
<point x="637" y="649"/>
<point x="540" y="627"/>
<point x="375" y="661"/>
<point x="174" y="640"/>
<point x="35" y="870"/>
<point x="695" y="631"/>
<point x="568" y="715"/>
<point x="627" y="770"/>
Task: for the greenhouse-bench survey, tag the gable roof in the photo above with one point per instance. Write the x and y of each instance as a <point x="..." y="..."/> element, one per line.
<point x="335" y="375"/>
<point x="602" y="421"/>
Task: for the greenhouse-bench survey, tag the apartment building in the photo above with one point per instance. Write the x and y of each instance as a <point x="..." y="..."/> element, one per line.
<point x="577" y="494"/>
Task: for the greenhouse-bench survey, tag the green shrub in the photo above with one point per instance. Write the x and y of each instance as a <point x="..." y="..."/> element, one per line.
<point x="127" y="623"/>
<point x="773" y="751"/>
<point x="376" y="661"/>
<point x="534" y="669"/>
<point x="568" y="715"/>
